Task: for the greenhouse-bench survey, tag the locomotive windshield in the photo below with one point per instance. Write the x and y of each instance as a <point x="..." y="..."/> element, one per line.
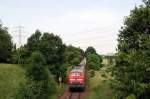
<point x="75" y="74"/>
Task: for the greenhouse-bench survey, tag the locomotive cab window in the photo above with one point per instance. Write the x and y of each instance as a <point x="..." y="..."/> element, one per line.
<point x="75" y="74"/>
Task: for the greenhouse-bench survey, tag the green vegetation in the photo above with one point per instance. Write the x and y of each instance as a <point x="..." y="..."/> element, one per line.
<point x="132" y="67"/>
<point x="59" y="90"/>
<point x="99" y="77"/>
<point x="43" y="59"/>
<point x="11" y="78"/>
<point x="100" y="84"/>
<point x="73" y="55"/>
<point x="53" y="50"/>
<point x="40" y="84"/>
<point x="5" y="45"/>
<point x="94" y="62"/>
<point x="20" y="56"/>
<point x="90" y="50"/>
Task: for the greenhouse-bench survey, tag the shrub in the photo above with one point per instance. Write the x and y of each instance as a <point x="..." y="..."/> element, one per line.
<point x="94" y="61"/>
<point x="20" y="56"/>
<point x="41" y="83"/>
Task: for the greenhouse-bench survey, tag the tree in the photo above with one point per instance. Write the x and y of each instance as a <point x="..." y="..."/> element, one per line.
<point x="90" y="50"/>
<point x="5" y="45"/>
<point x="94" y="62"/>
<point x="131" y="71"/>
<point x="37" y="67"/>
<point x="73" y="55"/>
<point x="52" y="48"/>
<point x="34" y="41"/>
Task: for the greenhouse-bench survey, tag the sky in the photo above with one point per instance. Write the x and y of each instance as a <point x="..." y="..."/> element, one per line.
<point x="81" y="23"/>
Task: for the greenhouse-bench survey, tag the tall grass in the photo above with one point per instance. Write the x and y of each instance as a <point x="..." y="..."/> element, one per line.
<point x="100" y="84"/>
<point x="11" y="77"/>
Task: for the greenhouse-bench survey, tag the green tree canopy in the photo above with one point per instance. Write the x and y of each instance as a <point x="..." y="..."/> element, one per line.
<point x="5" y="45"/>
<point x="90" y="50"/>
<point x="94" y="62"/>
<point x="34" y="41"/>
<point x="73" y="55"/>
<point x="131" y="71"/>
<point x="52" y="48"/>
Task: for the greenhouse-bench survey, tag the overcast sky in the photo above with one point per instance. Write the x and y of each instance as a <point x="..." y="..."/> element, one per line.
<point x="78" y="22"/>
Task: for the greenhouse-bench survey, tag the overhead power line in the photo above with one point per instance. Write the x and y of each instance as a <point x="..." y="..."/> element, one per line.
<point x="19" y="30"/>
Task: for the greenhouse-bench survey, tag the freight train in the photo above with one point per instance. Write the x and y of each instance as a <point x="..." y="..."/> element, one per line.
<point x="77" y="77"/>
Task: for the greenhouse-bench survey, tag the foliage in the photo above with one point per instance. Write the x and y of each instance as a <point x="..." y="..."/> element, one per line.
<point x="12" y="77"/>
<point x="37" y="89"/>
<point x="37" y="67"/>
<point x="20" y="56"/>
<point x="100" y="87"/>
<point x="90" y="50"/>
<point x="73" y="55"/>
<point x="58" y="71"/>
<point x="40" y="84"/>
<point x="94" y="62"/>
<point x="131" y="71"/>
<point x="34" y="41"/>
<point x="5" y="45"/>
<point x="52" y="48"/>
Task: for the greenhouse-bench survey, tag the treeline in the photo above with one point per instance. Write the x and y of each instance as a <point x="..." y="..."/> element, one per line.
<point x="45" y="58"/>
<point x="56" y="54"/>
<point x="132" y="69"/>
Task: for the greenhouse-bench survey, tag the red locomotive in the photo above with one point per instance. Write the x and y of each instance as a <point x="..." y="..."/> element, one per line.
<point x="77" y="76"/>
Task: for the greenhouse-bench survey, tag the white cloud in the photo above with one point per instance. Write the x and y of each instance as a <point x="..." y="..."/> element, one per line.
<point x="92" y="27"/>
<point x="89" y="27"/>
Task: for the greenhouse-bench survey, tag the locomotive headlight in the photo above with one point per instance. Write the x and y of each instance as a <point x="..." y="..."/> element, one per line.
<point x="80" y="79"/>
<point x="72" y="79"/>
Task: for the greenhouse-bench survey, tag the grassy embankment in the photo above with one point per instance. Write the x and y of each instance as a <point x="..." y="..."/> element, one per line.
<point x="100" y="87"/>
<point x="12" y="76"/>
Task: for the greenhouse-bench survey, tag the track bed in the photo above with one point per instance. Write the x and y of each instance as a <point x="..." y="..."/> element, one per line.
<point x="74" y="94"/>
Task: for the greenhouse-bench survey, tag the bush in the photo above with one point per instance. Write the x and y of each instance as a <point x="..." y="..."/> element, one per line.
<point x="41" y="83"/>
<point x="94" y="61"/>
<point x="37" y="89"/>
<point x="20" y="56"/>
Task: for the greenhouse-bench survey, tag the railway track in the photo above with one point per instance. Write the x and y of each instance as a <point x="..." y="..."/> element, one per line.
<point x="75" y="95"/>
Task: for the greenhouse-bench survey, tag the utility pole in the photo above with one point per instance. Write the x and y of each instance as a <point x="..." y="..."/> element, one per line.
<point x="19" y="31"/>
<point x="20" y="35"/>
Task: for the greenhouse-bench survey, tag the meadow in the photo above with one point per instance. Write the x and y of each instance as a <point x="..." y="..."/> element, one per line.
<point x="100" y="84"/>
<point x="11" y="78"/>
